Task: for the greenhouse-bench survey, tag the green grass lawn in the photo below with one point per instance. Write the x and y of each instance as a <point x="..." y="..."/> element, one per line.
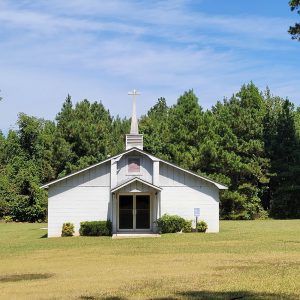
<point x="246" y="260"/>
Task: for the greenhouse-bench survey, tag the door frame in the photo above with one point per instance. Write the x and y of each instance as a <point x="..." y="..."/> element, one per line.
<point x="134" y="207"/>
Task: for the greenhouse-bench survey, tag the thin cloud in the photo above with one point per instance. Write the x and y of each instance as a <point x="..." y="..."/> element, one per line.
<point x="100" y="49"/>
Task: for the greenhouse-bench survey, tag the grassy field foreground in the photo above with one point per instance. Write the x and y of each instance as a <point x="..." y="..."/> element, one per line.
<point x="246" y="260"/>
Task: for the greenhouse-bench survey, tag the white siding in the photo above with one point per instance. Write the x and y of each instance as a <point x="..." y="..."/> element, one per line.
<point x="86" y="196"/>
<point x="98" y="176"/>
<point x="171" y="176"/>
<point x="83" y="197"/>
<point x="182" y="192"/>
<point x="146" y="168"/>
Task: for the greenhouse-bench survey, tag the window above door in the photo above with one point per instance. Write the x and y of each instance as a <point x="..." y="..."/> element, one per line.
<point x="134" y="166"/>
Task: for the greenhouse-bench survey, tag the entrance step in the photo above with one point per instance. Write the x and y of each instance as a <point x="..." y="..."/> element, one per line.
<point x="134" y="235"/>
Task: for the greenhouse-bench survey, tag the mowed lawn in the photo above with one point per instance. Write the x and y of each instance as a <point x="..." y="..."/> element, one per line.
<point x="246" y="260"/>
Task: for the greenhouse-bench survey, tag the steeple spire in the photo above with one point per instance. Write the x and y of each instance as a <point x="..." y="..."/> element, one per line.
<point x="134" y="129"/>
<point x="134" y="139"/>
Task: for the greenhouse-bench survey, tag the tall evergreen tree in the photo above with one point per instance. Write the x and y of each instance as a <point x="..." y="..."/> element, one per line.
<point x="241" y="155"/>
<point x="155" y="128"/>
<point x="87" y="129"/>
<point x="186" y="130"/>
<point x="285" y="156"/>
<point x="249" y="142"/>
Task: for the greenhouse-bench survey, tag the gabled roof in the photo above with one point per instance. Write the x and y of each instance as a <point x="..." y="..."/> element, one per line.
<point x="119" y="156"/>
<point x="217" y="184"/>
<point x="135" y="179"/>
<point x="90" y="167"/>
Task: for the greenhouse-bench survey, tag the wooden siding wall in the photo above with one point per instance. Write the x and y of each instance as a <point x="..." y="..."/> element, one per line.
<point x="86" y="196"/>
<point x="146" y="168"/>
<point x="182" y="192"/>
<point x="83" y="197"/>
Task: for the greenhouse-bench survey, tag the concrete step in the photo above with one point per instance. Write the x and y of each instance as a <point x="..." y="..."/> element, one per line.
<point x="134" y="235"/>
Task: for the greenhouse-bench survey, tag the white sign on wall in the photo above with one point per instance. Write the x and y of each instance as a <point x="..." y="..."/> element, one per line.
<point x="197" y="212"/>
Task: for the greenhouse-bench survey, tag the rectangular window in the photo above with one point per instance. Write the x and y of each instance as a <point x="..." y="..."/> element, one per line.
<point x="134" y="165"/>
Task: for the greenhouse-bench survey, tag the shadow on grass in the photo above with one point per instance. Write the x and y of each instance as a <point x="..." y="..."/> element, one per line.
<point x="104" y="298"/>
<point x="208" y="295"/>
<point x="44" y="236"/>
<point x="20" y="277"/>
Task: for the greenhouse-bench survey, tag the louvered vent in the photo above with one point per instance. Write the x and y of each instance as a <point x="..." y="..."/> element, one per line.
<point x="134" y="140"/>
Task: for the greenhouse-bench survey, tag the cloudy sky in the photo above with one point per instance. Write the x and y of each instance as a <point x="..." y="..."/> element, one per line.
<point x="100" y="50"/>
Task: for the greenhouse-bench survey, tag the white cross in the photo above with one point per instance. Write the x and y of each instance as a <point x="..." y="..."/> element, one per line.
<point x="134" y="93"/>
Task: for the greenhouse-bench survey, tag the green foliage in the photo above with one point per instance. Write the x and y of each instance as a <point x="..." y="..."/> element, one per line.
<point x="187" y="226"/>
<point x="236" y="129"/>
<point x="67" y="229"/>
<point x="95" y="228"/>
<point x="249" y="142"/>
<point x="87" y="128"/>
<point x="295" y="30"/>
<point x="201" y="226"/>
<point x="7" y="219"/>
<point x="185" y="131"/>
<point x="4" y="208"/>
<point x="155" y="128"/>
<point x="263" y="215"/>
<point x="40" y="151"/>
<point x="284" y="150"/>
<point x="171" y="224"/>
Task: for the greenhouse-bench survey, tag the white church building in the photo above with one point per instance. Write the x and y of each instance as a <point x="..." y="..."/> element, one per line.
<point x="132" y="190"/>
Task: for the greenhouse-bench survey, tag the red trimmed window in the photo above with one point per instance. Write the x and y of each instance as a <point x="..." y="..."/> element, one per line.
<point x="134" y="165"/>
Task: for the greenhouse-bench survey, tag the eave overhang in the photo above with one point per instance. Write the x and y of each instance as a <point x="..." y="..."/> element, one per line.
<point x="135" y="179"/>
<point x="153" y="158"/>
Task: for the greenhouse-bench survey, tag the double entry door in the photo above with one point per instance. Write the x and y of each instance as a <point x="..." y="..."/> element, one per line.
<point x="134" y="212"/>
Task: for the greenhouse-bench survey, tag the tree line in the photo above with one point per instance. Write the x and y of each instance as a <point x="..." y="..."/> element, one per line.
<point x="249" y="142"/>
<point x="294" y="30"/>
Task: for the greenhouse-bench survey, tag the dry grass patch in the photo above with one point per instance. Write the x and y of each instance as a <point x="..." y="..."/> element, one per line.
<point x="246" y="260"/>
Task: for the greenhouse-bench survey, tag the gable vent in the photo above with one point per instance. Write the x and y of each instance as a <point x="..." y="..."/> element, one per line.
<point x="134" y="140"/>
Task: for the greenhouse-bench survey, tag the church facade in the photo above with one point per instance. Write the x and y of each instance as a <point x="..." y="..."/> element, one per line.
<point x="132" y="189"/>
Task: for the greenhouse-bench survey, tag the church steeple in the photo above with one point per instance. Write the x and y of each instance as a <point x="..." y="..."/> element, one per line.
<point x="134" y="129"/>
<point x="134" y="139"/>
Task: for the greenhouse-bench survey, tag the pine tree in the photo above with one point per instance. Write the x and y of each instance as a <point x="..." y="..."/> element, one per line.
<point x="285" y="155"/>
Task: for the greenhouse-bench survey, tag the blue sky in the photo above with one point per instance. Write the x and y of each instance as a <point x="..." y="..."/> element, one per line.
<point x="100" y="50"/>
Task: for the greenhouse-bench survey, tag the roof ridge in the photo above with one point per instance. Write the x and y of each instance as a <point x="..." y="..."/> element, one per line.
<point x="218" y="184"/>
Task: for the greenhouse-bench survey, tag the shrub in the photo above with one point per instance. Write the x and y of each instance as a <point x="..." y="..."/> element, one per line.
<point x="4" y="208"/>
<point x="263" y="214"/>
<point x="201" y="226"/>
<point x="22" y="210"/>
<point x="171" y="224"/>
<point x="7" y="219"/>
<point x="95" y="228"/>
<point x="67" y="229"/>
<point x="187" y="227"/>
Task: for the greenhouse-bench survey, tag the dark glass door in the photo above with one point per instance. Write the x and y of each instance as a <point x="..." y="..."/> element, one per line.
<point x="125" y="212"/>
<point x="142" y="212"/>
